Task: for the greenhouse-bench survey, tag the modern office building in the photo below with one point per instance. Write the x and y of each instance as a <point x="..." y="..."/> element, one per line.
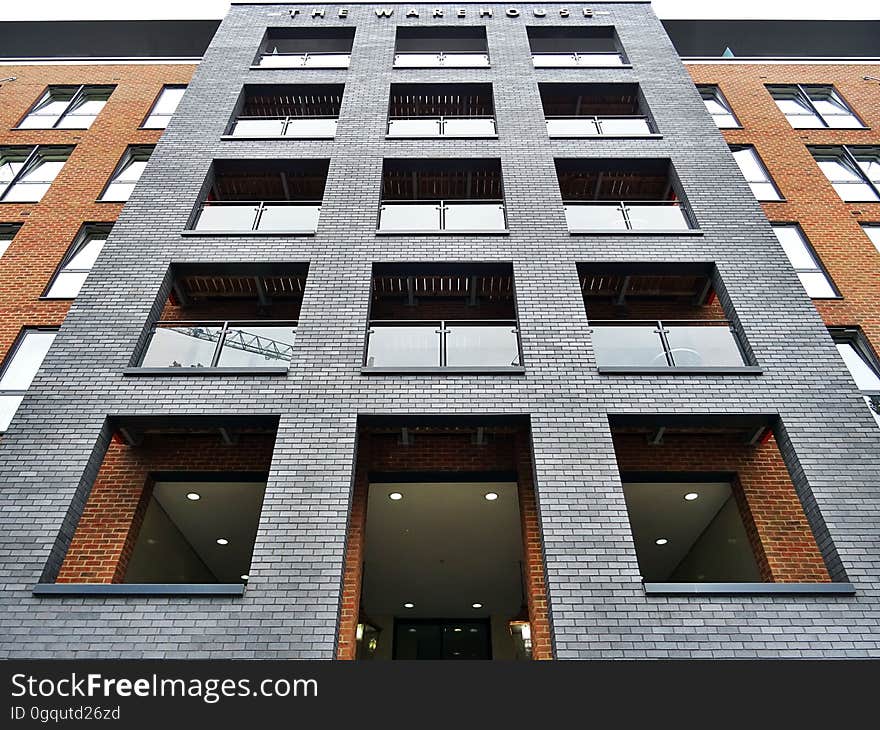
<point x="455" y="332"/>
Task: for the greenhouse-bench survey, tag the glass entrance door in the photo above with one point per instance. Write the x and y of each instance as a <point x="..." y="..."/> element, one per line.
<point x="442" y="639"/>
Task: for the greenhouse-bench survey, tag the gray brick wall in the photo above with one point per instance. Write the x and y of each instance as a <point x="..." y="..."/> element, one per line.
<point x="599" y="610"/>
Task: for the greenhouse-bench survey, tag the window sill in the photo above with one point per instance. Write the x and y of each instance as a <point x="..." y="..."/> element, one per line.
<point x="299" y="68"/>
<point x="580" y="66"/>
<point x="644" y="232"/>
<point x="441" y="136"/>
<point x="513" y="370"/>
<point x="204" y="371"/>
<point x="441" y="67"/>
<point x="499" y="232"/>
<point x="752" y="589"/>
<point x="240" y="138"/>
<point x="243" y="234"/>
<point x="624" y="370"/>
<point x="605" y="136"/>
<point x="138" y="589"/>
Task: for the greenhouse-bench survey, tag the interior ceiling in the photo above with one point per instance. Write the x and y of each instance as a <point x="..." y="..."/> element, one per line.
<point x="229" y="510"/>
<point x="442" y="547"/>
<point x="604" y="285"/>
<point x="491" y="287"/>
<point x="223" y="285"/>
<point x="659" y="510"/>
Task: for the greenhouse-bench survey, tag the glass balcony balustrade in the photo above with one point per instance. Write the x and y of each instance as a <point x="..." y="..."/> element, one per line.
<point x="442" y="215"/>
<point x="627" y="215"/>
<point x="442" y="344"/>
<point x="611" y="126"/>
<point x="563" y="59"/>
<point x="442" y="126"/>
<point x="666" y="344"/>
<point x="220" y="344"/>
<point x="328" y="59"/>
<point x="435" y="59"/>
<point x="294" y="127"/>
<point x="284" y="216"/>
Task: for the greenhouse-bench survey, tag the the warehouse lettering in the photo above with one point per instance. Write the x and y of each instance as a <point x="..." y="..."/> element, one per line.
<point x="385" y="12"/>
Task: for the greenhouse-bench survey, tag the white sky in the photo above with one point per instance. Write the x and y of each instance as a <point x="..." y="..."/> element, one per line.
<point x="199" y="9"/>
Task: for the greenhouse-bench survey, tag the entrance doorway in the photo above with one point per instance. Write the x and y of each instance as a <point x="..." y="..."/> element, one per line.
<point x="442" y="639"/>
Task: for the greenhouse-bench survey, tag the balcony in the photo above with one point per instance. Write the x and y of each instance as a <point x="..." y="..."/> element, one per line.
<point x="441" y="110"/>
<point x="463" y="47"/>
<point x="595" y="110"/>
<point x="584" y="47"/>
<point x="660" y="318"/>
<point x="442" y="196"/>
<point x="301" y="48"/>
<point x="225" y="319"/>
<point x="263" y="196"/>
<point x="621" y="196"/>
<point x="436" y="317"/>
<point x="306" y="111"/>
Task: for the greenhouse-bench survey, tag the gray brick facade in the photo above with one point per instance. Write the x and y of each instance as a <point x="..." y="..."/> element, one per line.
<point x="50" y="454"/>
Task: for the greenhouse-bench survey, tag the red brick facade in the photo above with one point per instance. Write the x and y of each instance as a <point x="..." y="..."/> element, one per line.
<point x="831" y="225"/>
<point x="50" y="226"/>
<point x="781" y="538"/>
<point x="106" y="533"/>
<point x="446" y="452"/>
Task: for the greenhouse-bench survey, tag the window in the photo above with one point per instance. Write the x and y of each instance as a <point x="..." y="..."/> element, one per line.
<point x="27" y="172"/>
<point x="463" y="47"/>
<point x="814" y="107"/>
<point x="127" y="174"/>
<point x="67" y="107"/>
<point x="862" y="365"/>
<point x="21" y="366"/>
<point x="164" y="106"/>
<point x="854" y="172"/>
<point x="591" y="110"/>
<point x="872" y="231"/>
<point x="718" y="107"/>
<point x="78" y="262"/>
<point x="305" y="111"/>
<point x="441" y="110"/>
<point x="755" y="173"/>
<point x="304" y="48"/>
<point x="805" y="262"/>
<point x="585" y="47"/>
<point x="7" y="233"/>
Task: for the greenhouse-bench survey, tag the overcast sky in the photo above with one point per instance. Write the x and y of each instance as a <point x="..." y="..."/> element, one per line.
<point x="196" y="9"/>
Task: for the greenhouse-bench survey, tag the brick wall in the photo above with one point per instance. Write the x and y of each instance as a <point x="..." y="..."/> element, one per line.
<point x="449" y="452"/>
<point x="107" y="530"/>
<point x="781" y="538"/>
<point x="831" y="225"/>
<point x="50" y="226"/>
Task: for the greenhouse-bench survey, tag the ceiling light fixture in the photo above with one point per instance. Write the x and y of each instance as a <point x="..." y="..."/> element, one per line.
<point x="245" y="577"/>
<point x="194" y="496"/>
<point x="660" y="541"/>
<point x="691" y="496"/>
<point x="395" y="496"/>
<point x="476" y="605"/>
<point x="222" y="541"/>
<point x="409" y="605"/>
<point x="491" y="496"/>
<point x="457" y="630"/>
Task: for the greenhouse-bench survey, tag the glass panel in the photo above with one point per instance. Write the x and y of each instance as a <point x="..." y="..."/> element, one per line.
<point x="328" y="60"/>
<point x="725" y="121"/>
<point x="253" y="346"/>
<point x="157" y="121"/>
<point x="67" y="284"/>
<point x="227" y="218"/>
<point x="131" y="172"/>
<point x="594" y="217"/>
<point x="482" y="346"/>
<point x="168" y="100"/>
<point x="764" y="191"/>
<point x="311" y="128"/>
<point x="4" y="244"/>
<point x="26" y="360"/>
<point x="474" y="217"/>
<point x="466" y="60"/>
<point x="403" y="346"/>
<point x="838" y="171"/>
<point x="8" y="406"/>
<point x="865" y="376"/>
<point x="43" y="171"/>
<point x="469" y="127"/>
<point x="183" y="346"/>
<point x="624" y="126"/>
<point x="409" y="217"/>
<point x="628" y="346"/>
<point x="875" y="410"/>
<point x="805" y="121"/>
<point x="816" y="284"/>
<point x="854" y="192"/>
<point x="118" y="192"/>
<point x="278" y="60"/>
<point x="19" y="193"/>
<point x="873" y="233"/>
<point x="714" y="105"/>
<point x="39" y="121"/>
<point x="795" y="247"/>
<point x="414" y="128"/>
<point x="417" y="60"/>
<point x="703" y="346"/>
<point x="600" y="59"/>
<point x="554" y="60"/>
<point x="258" y="128"/>
<point x="870" y="165"/>
<point x="87" y="254"/>
<point x="843" y="121"/>
<point x="289" y="218"/>
<point x="584" y="127"/>
<point x="656" y="217"/>
<point x="77" y="121"/>
<point x="750" y="165"/>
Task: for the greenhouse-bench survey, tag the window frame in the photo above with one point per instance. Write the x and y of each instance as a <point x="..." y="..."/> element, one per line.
<point x="760" y="162"/>
<point x="128" y="157"/>
<point x="817" y="260"/>
<point x="844" y="154"/>
<point x="719" y="97"/>
<point x="81" y="92"/>
<point x="9" y="360"/>
<point x="873" y="239"/>
<point x="801" y="94"/>
<point x="855" y="337"/>
<point x="156" y="102"/>
<point x="86" y="233"/>
<point x="8" y="232"/>
<point x="32" y="156"/>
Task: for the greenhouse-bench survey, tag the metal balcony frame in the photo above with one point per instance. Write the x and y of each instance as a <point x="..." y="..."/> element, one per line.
<point x="624" y="210"/>
<point x="259" y="208"/>
<point x="441" y="56"/>
<point x="442" y="119"/>
<point x="442" y="205"/>
<point x="597" y="120"/>
<point x="286" y="120"/>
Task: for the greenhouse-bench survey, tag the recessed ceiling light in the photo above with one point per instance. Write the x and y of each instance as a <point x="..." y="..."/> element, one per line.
<point x="661" y="541"/>
<point x="409" y="605"/>
<point x="457" y="630"/>
<point x="222" y="541"/>
<point x="245" y="577"/>
<point x="412" y="631"/>
<point x="691" y="496"/>
<point x="476" y="605"/>
<point x="491" y="496"/>
<point x="395" y="496"/>
<point x="194" y="496"/>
